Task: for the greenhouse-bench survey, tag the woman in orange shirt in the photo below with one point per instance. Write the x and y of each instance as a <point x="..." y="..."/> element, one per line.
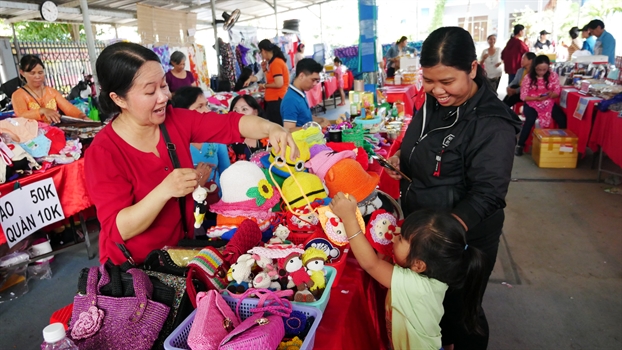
<point x="37" y="101"/>
<point x="275" y="69"/>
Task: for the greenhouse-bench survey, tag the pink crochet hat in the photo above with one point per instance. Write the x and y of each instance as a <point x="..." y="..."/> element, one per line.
<point x="245" y="192"/>
<point x="324" y="160"/>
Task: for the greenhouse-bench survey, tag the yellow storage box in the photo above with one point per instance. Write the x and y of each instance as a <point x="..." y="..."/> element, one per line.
<point x="554" y="148"/>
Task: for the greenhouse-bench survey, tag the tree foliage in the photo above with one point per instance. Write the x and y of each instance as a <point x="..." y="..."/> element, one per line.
<point x="439" y="11"/>
<point x="43" y="31"/>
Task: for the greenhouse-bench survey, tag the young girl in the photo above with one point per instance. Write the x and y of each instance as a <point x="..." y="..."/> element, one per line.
<point x="339" y="76"/>
<point x="539" y="90"/>
<point x="430" y="254"/>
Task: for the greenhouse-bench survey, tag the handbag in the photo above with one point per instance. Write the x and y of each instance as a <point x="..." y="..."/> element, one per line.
<point x="209" y="267"/>
<point x="264" y="330"/>
<point x="126" y="323"/>
<point x="213" y="320"/>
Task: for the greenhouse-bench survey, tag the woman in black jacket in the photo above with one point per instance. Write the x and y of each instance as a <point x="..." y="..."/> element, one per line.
<point x="459" y="152"/>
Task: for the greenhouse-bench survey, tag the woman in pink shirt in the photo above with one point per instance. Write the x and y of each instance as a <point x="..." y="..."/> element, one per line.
<point x="131" y="174"/>
<point x="539" y="90"/>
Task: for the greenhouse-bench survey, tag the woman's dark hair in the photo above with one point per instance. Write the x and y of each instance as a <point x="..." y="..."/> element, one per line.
<point x="185" y="96"/>
<point x="239" y="84"/>
<point x="491" y="35"/>
<point x="518" y="28"/>
<point x="452" y="47"/>
<point x="116" y="67"/>
<point x="401" y="40"/>
<point x="574" y="32"/>
<point x="337" y="60"/>
<point x="177" y="57"/>
<point x="439" y="239"/>
<point x="532" y="72"/>
<point x="267" y="45"/>
<point x="29" y="62"/>
<point x="530" y="56"/>
<point x="250" y="101"/>
<point x="300" y="48"/>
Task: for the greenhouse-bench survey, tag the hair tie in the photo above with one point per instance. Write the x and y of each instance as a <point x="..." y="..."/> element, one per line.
<point x="466" y="246"/>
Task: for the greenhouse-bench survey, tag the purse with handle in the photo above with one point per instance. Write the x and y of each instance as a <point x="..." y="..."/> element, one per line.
<point x="264" y="330"/>
<point x="213" y="320"/>
<point x="125" y="323"/>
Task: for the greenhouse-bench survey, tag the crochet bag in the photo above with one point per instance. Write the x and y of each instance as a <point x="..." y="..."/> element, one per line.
<point x="213" y="320"/>
<point x="263" y="330"/>
<point x="128" y="323"/>
<point x="210" y="268"/>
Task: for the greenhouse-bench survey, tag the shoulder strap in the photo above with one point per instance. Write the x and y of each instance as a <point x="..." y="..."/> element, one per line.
<point x="172" y="152"/>
<point x="28" y="92"/>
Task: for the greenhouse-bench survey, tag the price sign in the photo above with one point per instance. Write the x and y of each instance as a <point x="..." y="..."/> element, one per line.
<point x="29" y="209"/>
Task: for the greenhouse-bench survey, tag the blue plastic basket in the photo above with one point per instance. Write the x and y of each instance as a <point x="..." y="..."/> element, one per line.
<point x="178" y="340"/>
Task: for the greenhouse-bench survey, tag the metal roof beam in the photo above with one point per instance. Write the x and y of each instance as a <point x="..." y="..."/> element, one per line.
<point x="290" y="10"/>
<point x="68" y="10"/>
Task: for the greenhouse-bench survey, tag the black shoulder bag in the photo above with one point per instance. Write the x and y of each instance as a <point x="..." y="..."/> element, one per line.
<point x="172" y="152"/>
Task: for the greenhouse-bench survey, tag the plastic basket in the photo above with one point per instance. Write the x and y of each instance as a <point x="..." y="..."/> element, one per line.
<point x="355" y="135"/>
<point x="178" y="340"/>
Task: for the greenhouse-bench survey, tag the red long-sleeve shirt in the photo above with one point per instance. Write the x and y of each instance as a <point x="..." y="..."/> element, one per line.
<point x="118" y="176"/>
<point x="512" y="54"/>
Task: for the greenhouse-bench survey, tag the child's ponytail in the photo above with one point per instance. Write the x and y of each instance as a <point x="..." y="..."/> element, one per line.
<point x="473" y="288"/>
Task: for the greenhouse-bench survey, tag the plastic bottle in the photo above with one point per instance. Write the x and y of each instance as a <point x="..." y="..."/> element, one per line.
<point x="55" y="338"/>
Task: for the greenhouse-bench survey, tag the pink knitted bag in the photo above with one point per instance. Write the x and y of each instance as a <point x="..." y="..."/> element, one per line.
<point x="263" y="330"/>
<point x="213" y="320"/>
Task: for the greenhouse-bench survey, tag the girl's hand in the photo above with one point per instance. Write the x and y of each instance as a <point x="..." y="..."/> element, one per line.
<point x="204" y="170"/>
<point x="247" y="82"/>
<point x="50" y="115"/>
<point x="179" y="183"/>
<point x="344" y="207"/>
<point x="279" y="139"/>
<point x="395" y="161"/>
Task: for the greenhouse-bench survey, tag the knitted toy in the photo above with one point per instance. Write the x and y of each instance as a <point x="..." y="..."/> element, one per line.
<point x="280" y="236"/>
<point x="240" y="274"/>
<point x="382" y="227"/>
<point x="333" y="226"/>
<point x="282" y="164"/>
<point x="301" y="185"/>
<point x="296" y="273"/>
<point x="266" y="264"/>
<point x="324" y="245"/>
<point x="200" y="208"/>
<point x="262" y="280"/>
<point x="313" y="259"/>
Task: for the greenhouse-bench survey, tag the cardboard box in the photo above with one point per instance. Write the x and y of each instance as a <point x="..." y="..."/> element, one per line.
<point x="554" y="148"/>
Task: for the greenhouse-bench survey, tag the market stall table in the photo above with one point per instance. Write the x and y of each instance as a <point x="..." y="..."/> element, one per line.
<point x="71" y="188"/>
<point x="409" y="94"/>
<point x="314" y="96"/>
<point x="580" y="127"/>
<point x="607" y="135"/>
<point x="330" y="87"/>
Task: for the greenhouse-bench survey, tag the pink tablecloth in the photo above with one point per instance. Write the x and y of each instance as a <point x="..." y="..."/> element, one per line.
<point x="330" y="86"/>
<point x="314" y="96"/>
<point x="607" y="134"/>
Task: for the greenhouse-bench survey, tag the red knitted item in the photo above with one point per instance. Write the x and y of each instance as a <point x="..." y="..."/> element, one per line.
<point x="246" y="237"/>
<point x="361" y="154"/>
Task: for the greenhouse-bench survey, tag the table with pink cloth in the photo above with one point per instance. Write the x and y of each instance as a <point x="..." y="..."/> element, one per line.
<point x="330" y="87"/>
<point x="314" y="96"/>
<point x="409" y="94"/>
<point x="607" y="134"/>
<point x="580" y="127"/>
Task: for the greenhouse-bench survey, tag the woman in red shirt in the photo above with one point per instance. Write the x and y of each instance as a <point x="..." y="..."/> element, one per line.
<point x="130" y="176"/>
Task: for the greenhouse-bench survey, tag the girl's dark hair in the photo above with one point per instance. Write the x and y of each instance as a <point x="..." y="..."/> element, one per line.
<point x="574" y="32"/>
<point x="29" y="62"/>
<point x="177" y="57"/>
<point x="267" y="45"/>
<point x="532" y="72"/>
<point x="518" y="28"/>
<point x="452" y="47"/>
<point x="116" y="67"/>
<point x="401" y="40"/>
<point x="250" y="101"/>
<point x="439" y="239"/>
<point x="337" y="60"/>
<point x="185" y="96"/>
<point x="530" y="56"/>
<point x="246" y="73"/>
<point x="300" y="47"/>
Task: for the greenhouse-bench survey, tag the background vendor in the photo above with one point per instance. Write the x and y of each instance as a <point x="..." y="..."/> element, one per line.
<point x="179" y="77"/>
<point x="393" y="56"/>
<point x="137" y="194"/>
<point x="37" y="101"/>
<point x="295" y="107"/>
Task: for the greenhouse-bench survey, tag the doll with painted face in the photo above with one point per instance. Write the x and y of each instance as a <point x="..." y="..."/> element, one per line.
<point x="200" y="208"/>
<point x="382" y="227"/>
<point x="314" y="259"/>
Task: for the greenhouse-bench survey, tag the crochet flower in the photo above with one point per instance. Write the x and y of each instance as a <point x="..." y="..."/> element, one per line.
<point x="261" y="193"/>
<point x="294" y="344"/>
<point x="88" y="323"/>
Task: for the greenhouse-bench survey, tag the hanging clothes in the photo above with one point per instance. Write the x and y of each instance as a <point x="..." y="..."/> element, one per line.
<point x="228" y="62"/>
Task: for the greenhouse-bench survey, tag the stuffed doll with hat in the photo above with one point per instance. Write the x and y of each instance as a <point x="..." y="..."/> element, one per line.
<point x="296" y="273"/>
<point x="314" y="259"/>
<point x="382" y="227"/>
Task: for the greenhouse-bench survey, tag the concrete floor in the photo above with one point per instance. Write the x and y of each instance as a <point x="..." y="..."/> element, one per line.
<point x="557" y="282"/>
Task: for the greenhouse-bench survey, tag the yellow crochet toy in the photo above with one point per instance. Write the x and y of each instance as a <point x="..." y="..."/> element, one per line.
<point x="313" y="259"/>
<point x="297" y="165"/>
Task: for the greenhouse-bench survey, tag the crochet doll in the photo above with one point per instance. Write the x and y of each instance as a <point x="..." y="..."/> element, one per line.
<point x="200" y="208"/>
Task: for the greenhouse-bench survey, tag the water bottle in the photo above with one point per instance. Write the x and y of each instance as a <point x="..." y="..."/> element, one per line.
<point x="55" y="338"/>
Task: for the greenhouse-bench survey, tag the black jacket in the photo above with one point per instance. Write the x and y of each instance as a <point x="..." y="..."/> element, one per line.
<point x="465" y="166"/>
